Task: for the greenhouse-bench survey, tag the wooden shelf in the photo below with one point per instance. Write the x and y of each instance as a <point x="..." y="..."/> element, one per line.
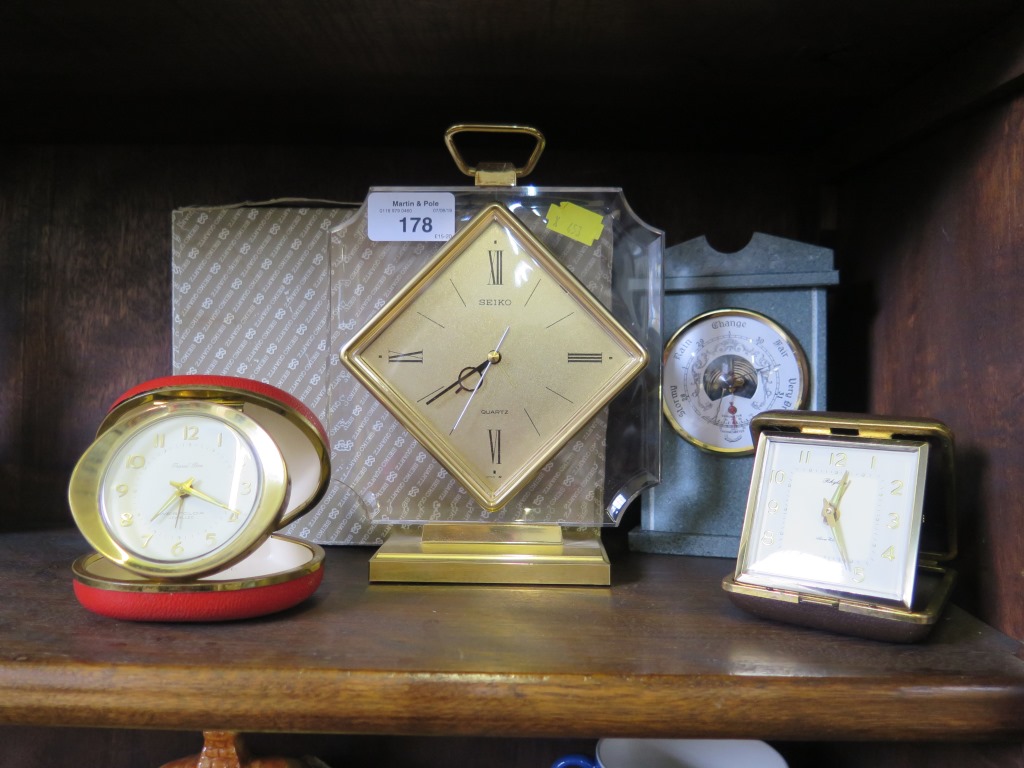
<point x="888" y="132"/>
<point x="661" y="653"/>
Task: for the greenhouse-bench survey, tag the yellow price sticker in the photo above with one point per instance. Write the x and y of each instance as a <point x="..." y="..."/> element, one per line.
<point x="576" y="222"/>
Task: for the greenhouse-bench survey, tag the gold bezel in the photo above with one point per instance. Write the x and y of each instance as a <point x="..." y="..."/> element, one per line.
<point x="299" y="439"/>
<point x="93" y="570"/>
<point x="406" y="412"/>
<point x="87" y="479"/>
<point x="798" y="352"/>
<point x="939" y="536"/>
<point x="853" y="617"/>
<point x="808" y="585"/>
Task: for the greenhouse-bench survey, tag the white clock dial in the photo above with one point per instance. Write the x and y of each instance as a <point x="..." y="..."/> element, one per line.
<point x="724" y="367"/>
<point x="181" y="487"/>
<point x="831" y="515"/>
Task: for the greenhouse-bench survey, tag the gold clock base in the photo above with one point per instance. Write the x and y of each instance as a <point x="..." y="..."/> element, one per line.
<point x="468" y="553"/>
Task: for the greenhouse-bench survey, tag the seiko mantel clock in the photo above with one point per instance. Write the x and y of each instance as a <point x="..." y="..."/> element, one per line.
<point x="498" y="388"/>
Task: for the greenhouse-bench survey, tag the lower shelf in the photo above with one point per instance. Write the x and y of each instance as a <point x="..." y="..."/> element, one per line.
<point x="659" y="653"/>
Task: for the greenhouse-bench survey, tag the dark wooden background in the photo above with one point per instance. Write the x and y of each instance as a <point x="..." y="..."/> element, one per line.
<point x="889" y="132"/>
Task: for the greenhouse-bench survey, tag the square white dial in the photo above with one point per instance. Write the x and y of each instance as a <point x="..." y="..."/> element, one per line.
<point x="835" y="516"/>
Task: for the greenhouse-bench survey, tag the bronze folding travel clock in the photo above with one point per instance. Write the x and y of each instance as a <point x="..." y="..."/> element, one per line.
<point x="848" y="521"/>
<point x="499" y="380"/>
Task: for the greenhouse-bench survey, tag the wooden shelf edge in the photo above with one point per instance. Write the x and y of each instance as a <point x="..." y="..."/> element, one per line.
<point x="512" y="705"/>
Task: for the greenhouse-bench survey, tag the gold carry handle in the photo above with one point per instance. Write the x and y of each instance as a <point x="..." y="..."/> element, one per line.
<point x="494" y="174"/>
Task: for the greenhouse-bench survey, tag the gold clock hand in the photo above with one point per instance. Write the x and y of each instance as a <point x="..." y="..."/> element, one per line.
<point x="493" y="356"/>
<point x="167" y="504"/>
<point x="830" y="513"/>
<point x="837" y="497"/>
<point x="187" y="489"/>
<point x="181" y="509"/>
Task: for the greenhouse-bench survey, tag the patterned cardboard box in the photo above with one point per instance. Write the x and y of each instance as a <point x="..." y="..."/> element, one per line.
<point x="251" y="297"/>
<point x="270" y="293"/>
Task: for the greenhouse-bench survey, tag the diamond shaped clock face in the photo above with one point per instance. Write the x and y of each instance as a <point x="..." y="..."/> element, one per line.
<point x="494" y="356"/>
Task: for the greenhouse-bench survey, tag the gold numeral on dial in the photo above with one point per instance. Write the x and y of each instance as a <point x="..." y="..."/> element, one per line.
<point x="890" y="553"/>
<point x="585" y="357"/>
<point x="897" y="488"/>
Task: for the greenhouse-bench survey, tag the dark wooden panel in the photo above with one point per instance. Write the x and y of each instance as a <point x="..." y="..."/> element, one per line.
<point x="932" y="243"/>
<point x="984" y="68"/>
<point x="748" y="72"/>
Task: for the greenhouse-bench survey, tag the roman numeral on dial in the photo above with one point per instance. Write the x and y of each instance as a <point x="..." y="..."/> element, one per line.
<point x="585" y="357"/>
<point x="494" y="436"/>
<point x="405" y="357"/>
<point x="495" y="258"/>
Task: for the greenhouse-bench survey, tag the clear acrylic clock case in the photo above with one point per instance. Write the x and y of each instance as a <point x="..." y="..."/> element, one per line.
<point x="388" y="476"/>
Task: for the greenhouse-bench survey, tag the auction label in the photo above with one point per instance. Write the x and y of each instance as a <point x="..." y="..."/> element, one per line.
<point x="410" y="216"/>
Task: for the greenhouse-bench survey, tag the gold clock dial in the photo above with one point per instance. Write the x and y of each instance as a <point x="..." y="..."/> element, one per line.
<point x="494" y="356"/>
